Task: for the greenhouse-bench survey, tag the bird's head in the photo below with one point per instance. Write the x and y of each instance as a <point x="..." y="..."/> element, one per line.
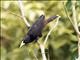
<point x="25" y="41"/>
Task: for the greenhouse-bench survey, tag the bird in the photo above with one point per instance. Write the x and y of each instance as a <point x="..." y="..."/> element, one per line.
<point x="35" y="31"/>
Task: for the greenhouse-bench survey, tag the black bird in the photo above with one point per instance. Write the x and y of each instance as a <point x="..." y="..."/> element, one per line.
<point x="36" y="30"/>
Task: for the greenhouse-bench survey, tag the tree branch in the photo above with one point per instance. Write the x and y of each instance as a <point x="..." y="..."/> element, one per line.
<point x="67" y="13"/>
<point x="23" y="12"/>
<point x="76" y="26"/>
<point x="43" y="51"/>
<point x="42" y="45"/>
<point x="54" y="25"/>
<point x="10" y="12"/>
<point x="74" y="17"/>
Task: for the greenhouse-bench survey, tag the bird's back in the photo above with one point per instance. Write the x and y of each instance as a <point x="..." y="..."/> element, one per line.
<point x="37" y="27"/>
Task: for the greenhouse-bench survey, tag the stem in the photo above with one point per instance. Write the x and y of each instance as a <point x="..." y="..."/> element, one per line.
<point x="42" y="45"/>
<point x="23" y="12"/>
<point x="54" y="25"/>
<point x="67" y="13"/>
<point x="74" y="17"/>
<point x="10" y="12"/>
<point x="43" y="51"/>
<point x="76" y="26"/>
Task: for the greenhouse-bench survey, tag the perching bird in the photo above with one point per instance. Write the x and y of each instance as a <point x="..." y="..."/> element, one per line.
<point x="36" y="30"/>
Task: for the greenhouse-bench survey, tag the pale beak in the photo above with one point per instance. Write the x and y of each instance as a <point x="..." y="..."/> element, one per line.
<point x="22" y="44"/>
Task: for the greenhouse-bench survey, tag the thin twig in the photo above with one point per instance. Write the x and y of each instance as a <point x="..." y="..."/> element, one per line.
<point x="23" y="12"/>
<point x="74" y="23"/>
<point x="76" y="27"/>
<point x="54" y="25"/>
<point x="67" y="13"/>
<point x="35" y="56"/>
<point x="43" y="51"/>
<point x="10" y="12"/>
<point x="42" y="45"/>
<point x="74" y="17"/>
<point x="42" y="48"/>
<point x="15" y="14"/>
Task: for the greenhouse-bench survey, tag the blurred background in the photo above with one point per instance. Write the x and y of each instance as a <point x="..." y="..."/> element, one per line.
<point x="62" y="42"/>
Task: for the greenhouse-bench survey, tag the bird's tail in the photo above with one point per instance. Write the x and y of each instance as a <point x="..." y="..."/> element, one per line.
<point x="51" y="19"/>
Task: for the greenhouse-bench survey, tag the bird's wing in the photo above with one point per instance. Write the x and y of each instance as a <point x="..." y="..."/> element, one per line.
<point x="37" y="26"/>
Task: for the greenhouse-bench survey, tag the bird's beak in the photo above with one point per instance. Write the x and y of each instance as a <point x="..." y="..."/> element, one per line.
<point x="22" y="44"/>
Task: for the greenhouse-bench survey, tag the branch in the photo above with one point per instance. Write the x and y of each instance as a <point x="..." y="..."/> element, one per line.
<point x="43" y="51"/>
<point x="10" y="12"/>
<point x="42" y="45"/>
<point x="67" y="13"/>
<point x="74" y="17"/>
<point x="54" y="26"/>
<point x="35" y="56"/>
<point x="76" y="27"/>
<point x="23" y="12"/>
<point x="74" y="22"/>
